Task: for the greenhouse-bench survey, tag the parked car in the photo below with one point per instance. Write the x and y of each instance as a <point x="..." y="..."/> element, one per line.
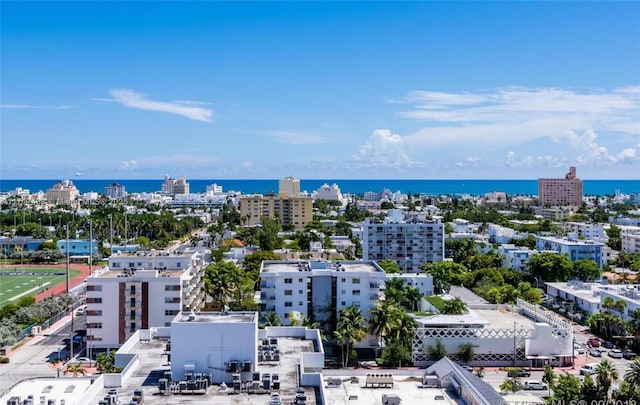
<point x="595" y="352"/>
<point x="589" y="368"/>
<point x="608" y="345"/>
<point x="578" y="349"/>
<point x="519" y="372"/>
<point x="535" y="385"/>
<point x="593" y="342"/>
<point x="615" y="353"/>
<point x="629" y="355"/>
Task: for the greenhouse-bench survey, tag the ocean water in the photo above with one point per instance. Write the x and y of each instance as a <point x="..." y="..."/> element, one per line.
<point x="475" y="187"/>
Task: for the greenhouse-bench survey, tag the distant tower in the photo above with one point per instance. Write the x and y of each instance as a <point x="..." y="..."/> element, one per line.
<point x="289" y="187"/>
<point x="567" y="191"/>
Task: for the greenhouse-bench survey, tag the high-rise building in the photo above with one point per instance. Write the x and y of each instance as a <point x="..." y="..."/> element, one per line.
<point x="63" y="193"/>
<point x="567" y="191"/>
<point x="408" y="244"/>
<point x="115" y="191"/>
<point x="140" y="291"/>
<point x="289" y="187"/>
<point x="296" y="211"/>
<point x="175" y="186"/>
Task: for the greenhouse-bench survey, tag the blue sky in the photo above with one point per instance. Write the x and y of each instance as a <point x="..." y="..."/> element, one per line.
<point x="319" y="89"/>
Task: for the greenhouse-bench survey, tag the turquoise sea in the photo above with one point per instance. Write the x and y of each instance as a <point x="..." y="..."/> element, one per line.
<point x="475" y="187"/>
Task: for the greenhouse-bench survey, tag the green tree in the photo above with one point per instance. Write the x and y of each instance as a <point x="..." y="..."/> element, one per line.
<point x="75" y="369"/>
<point x="606" y="374"/>
<point x="566" y="389"/>
<point x="550" y="266"/>
<point x="268" y="235"/>
<point x="465" y="352"/>
<point x="351" y="329"/>
<point x="252" y="262"/>
<point x="590" y="391"/>
<point x="586" y="270"/>
<point x="437" y="351"/>
<point x="454" y="307"/>
<point x="511" y="384"/>
<point x="105" y="362"/>
<point x="632" y="375"/>
<point x="394" y="354"/>
<point x="272" y="319"/>
<point x="384" y="318"/>
<point x="548" y="377"/>
<point x="389" y="266"/>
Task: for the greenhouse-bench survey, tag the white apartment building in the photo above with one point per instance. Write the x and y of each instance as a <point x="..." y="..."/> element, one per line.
<point x="216" y="343"/>
<point x="590" y="296"/>
<point x="408" y="244"/>
<point x="585" y="230"/>
<point x="140" y="291"/>
<point x="115" y="191"/>
<point x="515" y="257"/>
<point x="174" y="186"/>
<point x="630" y="241"/>
<point x="422" y="282"/>
<point x="573" y="247"/>
<point x="328" y="193"/>
<point x="502" y="234"/>
<point x="319" y="290"/>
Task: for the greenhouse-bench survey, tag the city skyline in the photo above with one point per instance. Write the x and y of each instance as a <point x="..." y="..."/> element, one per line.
<point x="442" y="90"/>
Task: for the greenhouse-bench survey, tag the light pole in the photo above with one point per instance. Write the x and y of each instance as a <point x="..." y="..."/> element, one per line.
<point x="67" y="250"/>
<point x="125" y="231"/>
<point x="514" y="343"/>
<point x="111" y="233"/>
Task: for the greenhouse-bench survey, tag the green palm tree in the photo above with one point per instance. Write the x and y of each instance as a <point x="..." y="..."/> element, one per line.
<point x="632" y="375"/>
<point x="350" y="330"/>
<point x="75" y="369"/>
<point x="405" y="331"/>
<point x="272" y="319"/>
<point x="606" y="374"/>
<point x="454" y="307"/>
<point x="384" y="318"/>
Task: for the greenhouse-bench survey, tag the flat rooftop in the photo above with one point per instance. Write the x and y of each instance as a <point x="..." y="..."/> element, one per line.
<point x="115" y="273"/>
<point x="153" y="364"/>
<point x="69" y="389"/>
<point x="215" y="317"/>
<point x="352" y="391"/>
<point x="306" y="266"/>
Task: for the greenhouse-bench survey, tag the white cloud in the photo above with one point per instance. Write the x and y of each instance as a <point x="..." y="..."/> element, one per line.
<point x="133" y="99"/>
<point x="128" y="165"/>
<point x="36" y="107"/>
<point x="383" y="147"/>
<point x="592" y="152"/>
<point x="484" y="120"/>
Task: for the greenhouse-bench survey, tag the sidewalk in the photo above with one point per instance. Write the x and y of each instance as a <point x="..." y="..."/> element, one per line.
<point x="30" y="341"/>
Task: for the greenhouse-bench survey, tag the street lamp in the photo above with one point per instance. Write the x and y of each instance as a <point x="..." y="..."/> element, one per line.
<point x="111" y="233"/>
<point x="514" y="343"/>
<point x="90" y="246"/>
<point x="67" y="250"/>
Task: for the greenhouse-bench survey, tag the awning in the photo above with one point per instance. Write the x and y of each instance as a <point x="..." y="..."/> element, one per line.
<point x="538" y="357"/>
<point x="189" y="366"/>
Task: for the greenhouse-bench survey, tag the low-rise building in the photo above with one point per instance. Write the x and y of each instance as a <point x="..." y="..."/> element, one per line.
<point x="575" y="248"/>
<point x="589" y="297"/>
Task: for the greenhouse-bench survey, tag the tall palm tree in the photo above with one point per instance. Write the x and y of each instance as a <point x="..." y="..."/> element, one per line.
<point x="405" y="331"/>
<point x="632" y="375"/>
<point x="350" y="330"/>
<point x="608" y="303"/>
<point x="606" y="374"/>
<point x="384" y="318"/>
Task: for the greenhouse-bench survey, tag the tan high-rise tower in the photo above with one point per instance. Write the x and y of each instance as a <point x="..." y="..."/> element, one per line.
<point x="567" y="191"/>
<point x="289" y="187"/>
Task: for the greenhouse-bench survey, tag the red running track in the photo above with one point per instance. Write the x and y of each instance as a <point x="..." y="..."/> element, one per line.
<point x="62" y="287"/>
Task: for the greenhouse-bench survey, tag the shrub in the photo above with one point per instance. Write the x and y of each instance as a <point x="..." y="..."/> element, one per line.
<point x="4" y="360"/>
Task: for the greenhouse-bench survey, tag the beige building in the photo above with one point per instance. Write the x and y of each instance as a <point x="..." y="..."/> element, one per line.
<point x="296" y="211"/>
<point x="175" y="186"/>
<point x="567" y="191"/>
<point x="63" y="193"/>
<point x="289" y="187"/>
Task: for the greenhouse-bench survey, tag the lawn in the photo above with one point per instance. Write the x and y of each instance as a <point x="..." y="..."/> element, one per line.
<point x="18" y="281"/>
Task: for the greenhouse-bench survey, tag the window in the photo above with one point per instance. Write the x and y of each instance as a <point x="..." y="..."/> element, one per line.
<point x="299" y="303"/>
<point x="172" y="287"/>
<point x="132" y="302"/>
<point x="132" y="325"/>
<point x="300" y="280"/>
<point x="343" y="292"/>
<point x="343" y="280"/>
<point x="178" y="265"/>
<point x="288" y="280"/>
<point x="94" y="288"/>
<point x="343" y="303"/>
<point x="355" y="292"/>
<point x="356" y="304"/>
<point x="288" y="292"/>
<point x="167" y="324"/>
<point x="132" y="264"/>
<point x="299" y="291"/>
<point x="356" y="281"/>
<point x="288" y="304"/>
<point x="132" y="289"/>
<point x="170" y="312"/>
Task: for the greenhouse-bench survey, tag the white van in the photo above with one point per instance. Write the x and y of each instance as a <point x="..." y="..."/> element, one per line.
<point x="589" y="368"/>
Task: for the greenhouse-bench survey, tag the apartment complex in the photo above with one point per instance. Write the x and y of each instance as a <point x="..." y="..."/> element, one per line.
<point x="585" y="230"/>
<point x="408" y="244"/>
<point x="64" y="192"/>
<point x="630" y="241"/>
<point x="566" y="191"/>
<point x="140" y="291"/>
<point x="296" y="211"/>
<point x="289" y="187"/>
<point x="175" y="186"/>
<point x="589" y="297"/>
<point x="319" y="290"/>
<point x="573" y="247"/>
<point x="115" y="191"/>
<point x="328" y="193"/>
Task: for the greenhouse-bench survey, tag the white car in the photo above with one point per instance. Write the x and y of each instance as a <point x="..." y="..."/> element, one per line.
<point x="82" y="360"/>
<point x="535" y="385"/>
<point x="578" y="349"/>
<point x="588" y="368"/>
<point x="615" y="353"/>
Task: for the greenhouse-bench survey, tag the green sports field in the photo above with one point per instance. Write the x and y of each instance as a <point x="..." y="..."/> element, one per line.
<point x="16" y="282"/>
